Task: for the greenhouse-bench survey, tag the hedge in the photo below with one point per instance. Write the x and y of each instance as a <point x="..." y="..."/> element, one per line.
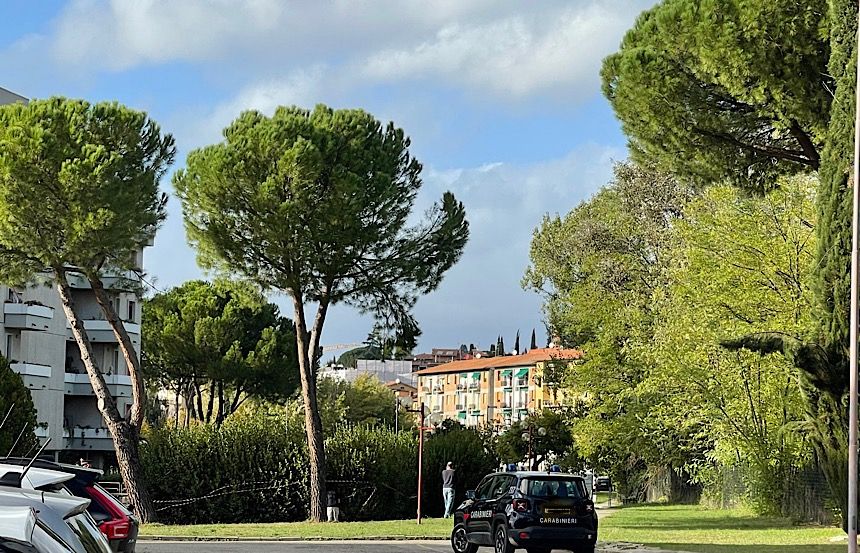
<point x="254" y="469"/>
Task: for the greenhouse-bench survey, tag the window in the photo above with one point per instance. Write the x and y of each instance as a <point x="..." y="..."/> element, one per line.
<point x="132" y="310"/>
<point x="502" y="486"/>
<point x="484" y="488"/>
<point x="9" y="344"/>
<point x="553" y="487"/>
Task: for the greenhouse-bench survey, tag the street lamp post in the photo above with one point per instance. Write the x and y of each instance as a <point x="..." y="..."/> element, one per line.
<point x="529" y="437"/>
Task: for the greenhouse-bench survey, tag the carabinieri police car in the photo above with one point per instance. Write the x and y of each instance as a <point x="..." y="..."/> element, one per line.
<point x="538" y="511"/>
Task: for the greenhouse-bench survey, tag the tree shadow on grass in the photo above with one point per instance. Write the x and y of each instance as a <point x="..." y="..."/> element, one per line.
<point x="750" y="548"/>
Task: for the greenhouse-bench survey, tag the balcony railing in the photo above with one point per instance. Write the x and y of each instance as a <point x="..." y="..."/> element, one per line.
<point x="119" y="385"/>
<point x="99" y="330"/>
<point x="25" y="316"/>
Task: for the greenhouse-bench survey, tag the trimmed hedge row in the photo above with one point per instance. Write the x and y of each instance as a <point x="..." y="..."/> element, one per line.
<point x="255" y="469"/>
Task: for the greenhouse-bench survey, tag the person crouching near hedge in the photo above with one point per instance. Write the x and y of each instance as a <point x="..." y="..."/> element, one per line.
<point x="333" y="507"/>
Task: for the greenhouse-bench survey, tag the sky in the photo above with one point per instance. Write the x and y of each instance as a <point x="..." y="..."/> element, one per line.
<point x="501" y="99"/>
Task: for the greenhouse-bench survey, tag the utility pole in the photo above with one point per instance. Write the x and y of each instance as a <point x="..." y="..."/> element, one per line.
<point x="855" y="273"/>
<point x="420" y="412"/>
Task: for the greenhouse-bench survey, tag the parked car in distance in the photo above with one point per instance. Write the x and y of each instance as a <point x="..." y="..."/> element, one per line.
<point x="537" y="511"/>
<point x="603" y="484"/>
<point x="114" y="519"/>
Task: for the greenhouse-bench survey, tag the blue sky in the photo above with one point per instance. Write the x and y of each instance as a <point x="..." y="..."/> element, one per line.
<point x="500" y="97"/>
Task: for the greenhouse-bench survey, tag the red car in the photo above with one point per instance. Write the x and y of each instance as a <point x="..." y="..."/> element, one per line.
<point x="115" y="520"/>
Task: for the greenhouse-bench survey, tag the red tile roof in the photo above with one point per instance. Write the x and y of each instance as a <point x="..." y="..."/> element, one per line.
<point x="530" y="358"/>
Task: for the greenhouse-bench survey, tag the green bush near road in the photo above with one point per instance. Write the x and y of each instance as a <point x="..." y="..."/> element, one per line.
<point x="254" y="469"/>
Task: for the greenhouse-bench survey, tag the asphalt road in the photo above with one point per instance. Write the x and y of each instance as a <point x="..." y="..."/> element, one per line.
<point x="295" y="547"/>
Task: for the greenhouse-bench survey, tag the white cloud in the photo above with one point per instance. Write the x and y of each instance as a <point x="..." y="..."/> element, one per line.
<point x="506" y="48"/>
<point x="557" y="51"/>
<point x="123" y="34"/>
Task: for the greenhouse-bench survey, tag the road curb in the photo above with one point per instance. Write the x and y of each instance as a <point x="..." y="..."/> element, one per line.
<point x="369" y="539"/>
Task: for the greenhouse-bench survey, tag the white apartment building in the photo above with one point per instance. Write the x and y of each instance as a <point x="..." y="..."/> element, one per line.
<point x="37" y="339"/>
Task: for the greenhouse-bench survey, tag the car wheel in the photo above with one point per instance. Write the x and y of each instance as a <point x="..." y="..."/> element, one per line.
<point x="501" y="540"/>
<point x="459" y="541"/>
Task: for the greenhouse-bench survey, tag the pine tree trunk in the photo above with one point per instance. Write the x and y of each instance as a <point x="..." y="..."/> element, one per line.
<point x="125" y="436"/>
<point x="307" y="344"/>
<point x="132" y="361"/>
<point x="126" y="440"/>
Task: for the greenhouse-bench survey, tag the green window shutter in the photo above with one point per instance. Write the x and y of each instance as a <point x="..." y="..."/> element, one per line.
<point x="507" y="372"/>
<point x="522" y="373"/>
<point x="476" y="376"/>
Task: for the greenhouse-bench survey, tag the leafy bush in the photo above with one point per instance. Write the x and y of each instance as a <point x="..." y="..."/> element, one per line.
<point x="251" y="469"/>
<point x="472" y="455"/>
<point x="254" y="469"/>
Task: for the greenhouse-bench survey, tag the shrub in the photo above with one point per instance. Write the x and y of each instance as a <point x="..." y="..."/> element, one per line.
<point x="254" y="469"/>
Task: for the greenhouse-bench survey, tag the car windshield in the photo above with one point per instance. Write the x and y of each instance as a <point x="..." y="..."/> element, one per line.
<point x="552" y="487"/>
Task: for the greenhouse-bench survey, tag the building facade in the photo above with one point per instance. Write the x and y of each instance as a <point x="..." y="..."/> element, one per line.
<point x="496" y="391"/>
<point x="36" y="338"/>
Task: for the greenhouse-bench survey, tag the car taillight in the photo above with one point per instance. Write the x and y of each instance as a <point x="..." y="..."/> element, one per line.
<point x="520" y="505"/>
<point x="115" y="529"/>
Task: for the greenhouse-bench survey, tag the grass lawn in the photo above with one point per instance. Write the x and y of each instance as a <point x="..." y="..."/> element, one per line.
<point x="429" y="528"/>
<point x="699" y="529"/>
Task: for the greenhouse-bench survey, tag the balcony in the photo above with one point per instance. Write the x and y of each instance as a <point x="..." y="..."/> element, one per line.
<point x="438" y="389"/>
<point x="24" y="316"/>
<point x="99" y="331"/>
<point x="97" y="439"/>
<point x="475" y="385"/>
<point x="120" y="281"/>
<point x="35" y="376"/>
<point x="119" y="385"/>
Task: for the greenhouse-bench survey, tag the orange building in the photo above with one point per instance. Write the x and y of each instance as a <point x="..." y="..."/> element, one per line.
<point x="490" y="390"/>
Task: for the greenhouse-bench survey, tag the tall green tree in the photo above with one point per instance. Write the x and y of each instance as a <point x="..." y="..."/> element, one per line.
<point x="20" y="426"/>
<point x="739" y="267"/>
<point x="746" y="91"/>
<point x="79" y="195"/>
<point x="597" y="268"/>
<point x="715" y="89"/>
<point x="315" y="204"/>
<point x="218" y="343"/>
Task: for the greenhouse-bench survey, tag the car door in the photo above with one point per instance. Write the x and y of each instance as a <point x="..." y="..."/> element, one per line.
<point x="481" y="513"/>
<point x="501" y="495"/>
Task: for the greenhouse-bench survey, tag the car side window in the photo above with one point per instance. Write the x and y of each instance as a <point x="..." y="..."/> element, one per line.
<point x="502" y="486"/>
<point x="485" y="487"/>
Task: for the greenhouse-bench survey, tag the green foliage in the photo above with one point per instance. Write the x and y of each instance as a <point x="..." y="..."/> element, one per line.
<point x="22" y="419"/>
<point x="249" y="469"/>
<point x="473" y="456"/>
<point x="316" y="203"/>
<point x="598" y="268"/>
<point x="254" y="469"/>
<point x="512" y="448"/>
<point x="828" y="381"/>
<point x="373" y="471"/>
<point x="652" y="281"/>
<point x="746" y="91"/>
<point x="715" y="89"/>
<point x="366" y="401"/>
<point x="224" y="335"/>
<point x="739" y="269"/>
<point x="78" y="185"/>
